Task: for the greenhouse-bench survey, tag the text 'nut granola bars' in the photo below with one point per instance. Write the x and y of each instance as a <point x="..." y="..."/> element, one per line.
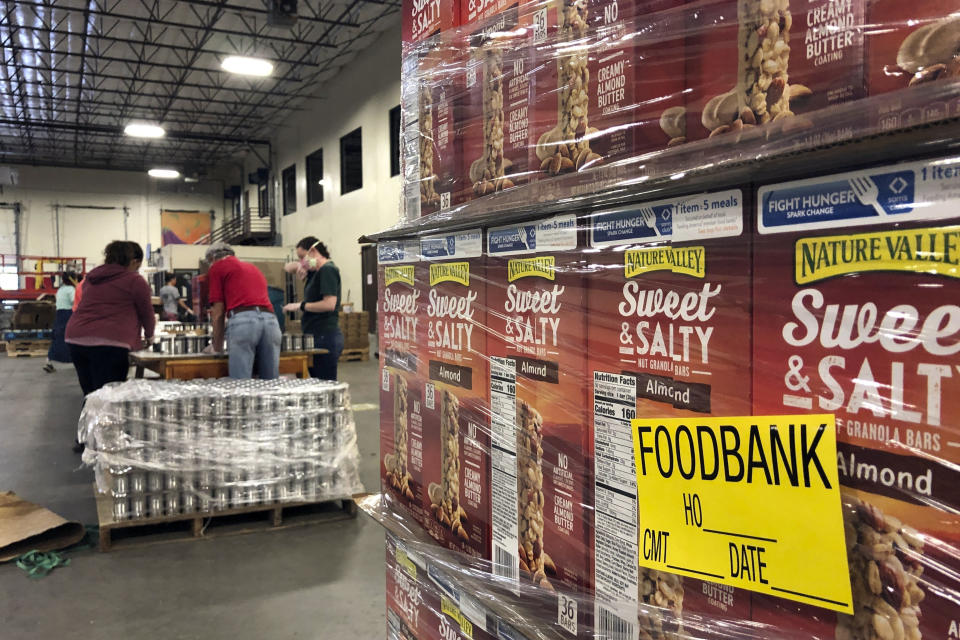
<point x="456" y="396"/>
<point x="401" y="334"/>
<point x="865" y="324"/>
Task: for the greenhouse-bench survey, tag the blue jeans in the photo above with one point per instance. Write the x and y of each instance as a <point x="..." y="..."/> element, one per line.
<point x="254" y="336"/>
<point x="325" y="365"/>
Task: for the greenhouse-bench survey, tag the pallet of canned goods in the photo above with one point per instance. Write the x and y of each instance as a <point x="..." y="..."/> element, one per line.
<point x="169" y="448"/>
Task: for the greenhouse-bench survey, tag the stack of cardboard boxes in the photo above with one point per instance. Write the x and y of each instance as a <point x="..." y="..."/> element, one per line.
<point x="355" y="328"/>
<point x="512" y="92"/>
<point x="517" y="337"/>
<point x="505" y="345"/>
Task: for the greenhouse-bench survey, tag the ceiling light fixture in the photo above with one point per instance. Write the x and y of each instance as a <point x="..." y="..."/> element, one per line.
<point x="165" y="174"/>
<point x="247" y="66"/>
<point x="144" y="130"/>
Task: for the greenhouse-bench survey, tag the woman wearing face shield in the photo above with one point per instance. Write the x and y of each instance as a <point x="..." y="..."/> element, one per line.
<point x="321" y="304"/>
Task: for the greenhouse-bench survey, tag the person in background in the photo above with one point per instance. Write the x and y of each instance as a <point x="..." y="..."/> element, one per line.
<point x="320" y="306"/>
<point x="238" y="293"/>
<point x="59" y="352"/>
<point x="78" y="293"/>
<point x="172" y="302"/>
<point x="114" y="318"/>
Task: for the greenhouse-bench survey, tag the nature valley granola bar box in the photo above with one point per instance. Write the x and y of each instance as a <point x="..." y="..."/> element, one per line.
<point x="423" y="604"/>
<point x="856" y="313"/>
<point x="496" y="103"/>
<point x="456" y="393"/>
<point x="402" y="332"/>
<point x="669" y="302"/>
<point x="541" y="441"/>
<point x="407" y="605"/>
<point x="425" y="18"/>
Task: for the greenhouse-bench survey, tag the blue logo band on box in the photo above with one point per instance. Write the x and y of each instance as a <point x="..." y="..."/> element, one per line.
<point x="397" y="251"/>
<point x="558" y="233"/>
<point x="688" y="219"/>
<point x="464" y="244"/>
<point x="916" y="191"/>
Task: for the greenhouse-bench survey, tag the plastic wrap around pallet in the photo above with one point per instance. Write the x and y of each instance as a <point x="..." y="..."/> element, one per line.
<point x="508" y="103"/>
<point x="514" y="355"/>
<point x="161" y="448"/>
<point x="438" y="594"/>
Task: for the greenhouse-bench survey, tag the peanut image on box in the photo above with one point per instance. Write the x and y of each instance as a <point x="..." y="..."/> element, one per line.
<point x="767" y="62"/>
<point x="856" y="314"/>
<point x="496" y="104"/>
<point x="560" y="127"/>
<point x="912" y="45"/>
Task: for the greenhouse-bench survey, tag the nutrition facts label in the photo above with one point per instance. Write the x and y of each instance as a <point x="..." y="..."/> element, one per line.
<point x="503" y="408"/>
<point x="616" y="572"/>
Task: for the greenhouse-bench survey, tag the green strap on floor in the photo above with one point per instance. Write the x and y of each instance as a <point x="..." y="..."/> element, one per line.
<point x="38" y="564"/>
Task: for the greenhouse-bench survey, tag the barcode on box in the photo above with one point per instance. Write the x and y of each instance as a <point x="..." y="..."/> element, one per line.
<point x="505" y="564"/>
<point x="613" y="627"/>
<point x="471" y="76"/>
<point x="385" y="379"/>
<point x="430" y="392"/>
<point x="540" y="26"/>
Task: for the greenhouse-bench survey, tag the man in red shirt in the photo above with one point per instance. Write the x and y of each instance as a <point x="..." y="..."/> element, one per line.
<point x="238" y="294"/>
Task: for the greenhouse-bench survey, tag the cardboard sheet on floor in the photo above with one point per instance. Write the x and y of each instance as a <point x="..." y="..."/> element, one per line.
<point x="25" y="526"/>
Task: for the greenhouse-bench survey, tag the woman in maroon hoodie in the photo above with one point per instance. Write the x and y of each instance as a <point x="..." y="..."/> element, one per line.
<point x="107" y="324"/>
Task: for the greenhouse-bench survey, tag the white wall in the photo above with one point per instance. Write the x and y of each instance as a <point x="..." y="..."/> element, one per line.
<point x="360" y="96"/>
<point x="85" y="232"/>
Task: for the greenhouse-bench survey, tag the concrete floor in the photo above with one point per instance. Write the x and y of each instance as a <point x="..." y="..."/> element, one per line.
<point x="313" y="582"/>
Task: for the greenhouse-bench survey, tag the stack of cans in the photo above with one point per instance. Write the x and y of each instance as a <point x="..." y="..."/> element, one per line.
<point x="297" y="342"/>
<point x="213" y="445"/>
<point x="181" y="344"/>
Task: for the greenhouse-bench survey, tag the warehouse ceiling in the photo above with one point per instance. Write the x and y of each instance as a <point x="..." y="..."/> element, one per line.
<point x="74" y="73"/>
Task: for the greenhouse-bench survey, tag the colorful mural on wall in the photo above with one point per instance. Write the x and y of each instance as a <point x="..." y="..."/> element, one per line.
<point x="184" y="227"/>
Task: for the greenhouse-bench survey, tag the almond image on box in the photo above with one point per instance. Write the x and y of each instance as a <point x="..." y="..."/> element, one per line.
<point x="668" y="297"/>
<point x="439" y="122"/>
<point x="856" y="313"/>
<point x="456" y="397"/>
<point x="541" y="444"/>
<point x="560" y="127"/>
<point x="401" y="385"/>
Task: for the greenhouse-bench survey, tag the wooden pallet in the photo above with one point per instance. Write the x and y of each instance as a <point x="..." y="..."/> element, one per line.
<point x="355" y="355"/>
<point x="227" y="522"/>
<point x="27" y="348"/>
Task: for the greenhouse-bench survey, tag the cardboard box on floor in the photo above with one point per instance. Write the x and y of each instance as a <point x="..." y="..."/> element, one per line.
<point x="34" y="315"/>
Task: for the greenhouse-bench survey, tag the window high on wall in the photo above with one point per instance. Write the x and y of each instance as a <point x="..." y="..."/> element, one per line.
<point x="395" y="141"/>
<point x="351" y="162"/>
<point x="315" y="177"/>
<point x="288" y="180"/>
